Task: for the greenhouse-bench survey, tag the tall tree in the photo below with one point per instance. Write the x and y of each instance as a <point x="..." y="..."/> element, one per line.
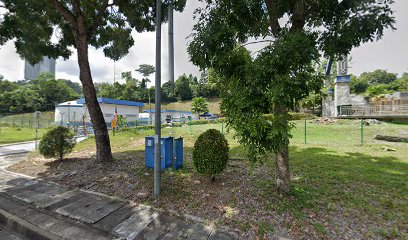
<point x="258" y="89"/>
<point x="378" y="76"/>
<point x="182" y="88"/>
<point x="105" y="24"/>
<point x="146" y="70"/>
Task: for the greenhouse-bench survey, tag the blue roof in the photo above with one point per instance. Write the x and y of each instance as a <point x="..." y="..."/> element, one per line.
<point x="114" y="101"/>
<point x="167" y="111"/>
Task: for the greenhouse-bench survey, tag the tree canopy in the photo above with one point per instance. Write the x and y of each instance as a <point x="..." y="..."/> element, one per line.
<point x="259" y="89"/>
<point x="41" y="94"/>
<point x="53" y="27"/>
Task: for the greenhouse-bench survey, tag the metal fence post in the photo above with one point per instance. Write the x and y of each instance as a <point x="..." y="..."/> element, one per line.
<point x="362" y="131"/>
<point x="305" y="133"/>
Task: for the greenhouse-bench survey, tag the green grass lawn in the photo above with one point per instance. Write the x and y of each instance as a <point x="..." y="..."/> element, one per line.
<point x="340" y="188"/>
<point x="27" y="120"/>
<point x="12" y="135"/>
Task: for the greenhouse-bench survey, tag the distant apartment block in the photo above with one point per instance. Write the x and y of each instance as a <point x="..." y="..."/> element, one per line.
<point x="32" y="71"/>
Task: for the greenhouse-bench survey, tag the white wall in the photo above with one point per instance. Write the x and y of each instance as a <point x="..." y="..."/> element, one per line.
<point x="130" y="113"/>
<point x="73" y="113"/>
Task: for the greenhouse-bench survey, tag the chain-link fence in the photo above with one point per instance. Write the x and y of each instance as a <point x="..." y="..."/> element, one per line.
<point x="27" y="120"/>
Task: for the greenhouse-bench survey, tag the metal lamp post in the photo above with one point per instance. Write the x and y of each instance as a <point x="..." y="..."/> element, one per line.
<point x="37" y="117"/>
<point x="157" y="116"/>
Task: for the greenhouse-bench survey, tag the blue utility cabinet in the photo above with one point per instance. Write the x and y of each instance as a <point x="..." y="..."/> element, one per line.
<point x="166" y="152"/>
<point x="178" y="152"/>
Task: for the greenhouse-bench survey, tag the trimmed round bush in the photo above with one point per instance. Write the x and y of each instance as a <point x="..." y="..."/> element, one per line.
<point x="210" y="153"/>
<point x="56" y="143"/>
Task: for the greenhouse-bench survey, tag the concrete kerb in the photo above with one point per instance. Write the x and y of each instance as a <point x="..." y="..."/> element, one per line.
<point x="24" y="228"/>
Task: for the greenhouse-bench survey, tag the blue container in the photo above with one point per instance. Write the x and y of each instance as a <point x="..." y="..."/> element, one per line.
<point x="178" y="151"/>
<point x="166" y="152"/>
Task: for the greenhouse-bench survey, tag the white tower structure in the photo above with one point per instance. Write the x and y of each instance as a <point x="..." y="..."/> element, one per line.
<point x="341" y="86"/>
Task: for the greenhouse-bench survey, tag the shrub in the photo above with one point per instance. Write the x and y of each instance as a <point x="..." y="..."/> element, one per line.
<point x="210" y="154"/>
<point x="56" y="143"/>
<point x="300" y="116"/>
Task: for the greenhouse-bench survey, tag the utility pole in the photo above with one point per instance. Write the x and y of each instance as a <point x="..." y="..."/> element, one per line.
<point x="171" y="46"/>
<point x="157" y="116"/>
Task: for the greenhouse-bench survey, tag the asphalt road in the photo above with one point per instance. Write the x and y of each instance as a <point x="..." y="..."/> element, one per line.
<point x="18" y="148"/>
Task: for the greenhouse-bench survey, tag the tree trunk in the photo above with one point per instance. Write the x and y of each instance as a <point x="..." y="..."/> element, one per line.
<point x="103" y="148"/>
<point x="282" y="175"/>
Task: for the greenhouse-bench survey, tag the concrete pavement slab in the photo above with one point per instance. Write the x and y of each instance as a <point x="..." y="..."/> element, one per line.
<point x="115" y="218"/>
<point x="162" y="227"/>
<point x="132" y="226"/>
<point x="44" y="203"/>
<point x="6" y="235"/>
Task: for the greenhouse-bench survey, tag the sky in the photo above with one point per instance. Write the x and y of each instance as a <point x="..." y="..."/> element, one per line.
<point x="389" y="53"/>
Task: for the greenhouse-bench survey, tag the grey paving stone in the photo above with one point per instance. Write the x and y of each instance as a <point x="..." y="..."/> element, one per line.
<point x="99" y="210"/>
<point x="131" y="227"/>
<point x="10" y="204"/>
<point x="162" y="227"/>
<point x="6" y="235"/>
<point x="46" y="202"/>
<point x="90" y="209"/>
<point x="75" y="209"/>
<point x="38" y="195"/>
<point x="113" y="219"/>
<point x="53" y="225"/>
<point x="77" y="196"/>
<point x="24" y="190"/>
<point x="14" y="184"/>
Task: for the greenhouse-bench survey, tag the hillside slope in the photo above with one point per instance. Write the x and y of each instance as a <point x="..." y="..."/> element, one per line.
<point x="213" y="105"/>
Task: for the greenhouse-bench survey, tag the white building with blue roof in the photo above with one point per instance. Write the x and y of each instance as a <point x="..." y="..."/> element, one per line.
<point x="76" y="112"/>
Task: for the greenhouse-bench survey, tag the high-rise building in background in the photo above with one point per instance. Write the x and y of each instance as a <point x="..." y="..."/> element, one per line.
<point x="46" y="65"/>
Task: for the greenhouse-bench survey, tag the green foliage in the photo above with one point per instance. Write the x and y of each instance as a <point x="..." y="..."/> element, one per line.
<point x="39" y="94"/>
<point x="312" y="101"/>
<point x="276" y="78"/>
<point x="401" y="84"/>
<point x="210" y="153"/>
<point x="299" y="116"/>
<point x="57" y="142"/>
<point x="182" y="88"/>
<point x="378" y="76"/>
<point x="146" y="70"/>
<point x="32" y="24"/>
<point x="199" y="105"/>
<point x="358" y="85"/>
<point x="376" y="90"/>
